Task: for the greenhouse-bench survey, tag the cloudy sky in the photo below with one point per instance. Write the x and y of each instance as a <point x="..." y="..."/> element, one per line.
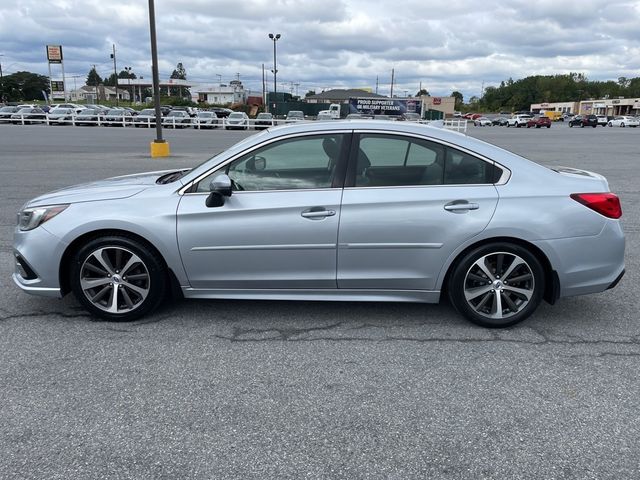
<point x="445" y="45"/>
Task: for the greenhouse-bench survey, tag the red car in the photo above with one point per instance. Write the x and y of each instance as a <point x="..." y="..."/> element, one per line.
<point x="538" y="122"/>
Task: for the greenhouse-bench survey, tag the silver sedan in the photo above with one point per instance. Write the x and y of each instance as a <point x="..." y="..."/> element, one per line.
<point x="351" y="211"/>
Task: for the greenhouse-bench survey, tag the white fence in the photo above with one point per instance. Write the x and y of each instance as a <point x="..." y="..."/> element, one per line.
<point x="182" y="122"/>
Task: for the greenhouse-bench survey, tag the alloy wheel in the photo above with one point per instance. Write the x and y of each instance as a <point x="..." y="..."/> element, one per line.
<point x="499" y="285"/>
<point x="115" y="280"/>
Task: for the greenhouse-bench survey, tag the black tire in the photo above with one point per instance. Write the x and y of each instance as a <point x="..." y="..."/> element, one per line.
<point x="138" y="296"/>
<point x="570" y="125"/>
<point x="515" y="307"/>
<point x="622" y="124"/>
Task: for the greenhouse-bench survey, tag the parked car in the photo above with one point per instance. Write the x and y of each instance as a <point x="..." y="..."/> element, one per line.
<point x="623" y="121"/>
<point x="6" y="113"/>
<point x="539" y="121"/>
<point x="482" y="122"/>
<point x="237" y="120"/>
<point x="177" y="119"/>
<point x="260" y="221"/>
<point x="73" y="106"/>
<point x="61" y="116"/>
<point x="118" y="117"/>
<point x="602" y="120"/>
<point x="190" y="110"/>
<point x="294" y="116"/>
<point x="206" y="120"/>
<point x="263" y="120"/>
<point x="500" y="121"/>
<point x="518" y="120"/>
<point x="584" y="121"/>
<point x="90" y="116"/>
<point x="29" y="115"/>
<point x="222" y="112"/>
<point x="410" y="117"/>
<point x="324" y="117"/>
<point x="145" y="118"/>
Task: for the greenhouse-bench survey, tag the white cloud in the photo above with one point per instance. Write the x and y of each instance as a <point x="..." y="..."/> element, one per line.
<point x="446" y="45"/>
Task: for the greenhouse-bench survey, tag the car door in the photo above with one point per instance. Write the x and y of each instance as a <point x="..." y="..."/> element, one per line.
<point x="407" y="205"/>
<point x="279" y="227"/>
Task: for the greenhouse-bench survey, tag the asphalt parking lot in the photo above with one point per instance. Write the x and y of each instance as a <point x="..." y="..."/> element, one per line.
<point x="265" y="390"/>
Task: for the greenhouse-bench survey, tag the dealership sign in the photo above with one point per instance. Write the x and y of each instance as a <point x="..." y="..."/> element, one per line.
<point x="54" y="53"/>
<point x="384" y="106"/>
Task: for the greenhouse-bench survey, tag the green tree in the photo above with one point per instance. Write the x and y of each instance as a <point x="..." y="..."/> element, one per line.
<point x="93" y="78"/>
<point x="422" y="91"/>
<point x="309" y="93"/>
<point x="22" y="86"/>
<point x="459" y="99"/>
<point x="179" y="73"/>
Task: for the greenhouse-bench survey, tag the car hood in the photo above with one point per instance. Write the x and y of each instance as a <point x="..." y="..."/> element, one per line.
<point x="107" y="189"/>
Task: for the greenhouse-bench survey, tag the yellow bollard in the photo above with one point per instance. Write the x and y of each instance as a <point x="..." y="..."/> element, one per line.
<point x="159" y="149"/>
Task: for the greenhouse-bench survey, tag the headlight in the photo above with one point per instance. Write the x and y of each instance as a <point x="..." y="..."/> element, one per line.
<point x="30" y="218"/>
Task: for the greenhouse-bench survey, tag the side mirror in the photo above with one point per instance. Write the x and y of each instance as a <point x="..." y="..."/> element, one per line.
<point x="221" y="184"/>
<point x="219" y="187"/>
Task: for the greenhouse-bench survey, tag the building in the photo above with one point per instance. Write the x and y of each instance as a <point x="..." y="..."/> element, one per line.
<point x="610" y="106"/>
<point x="221" y="94"/>
<point x="100" y="93"/>
<point x="604" y="106"/>
<point x="563" y="107"/>
<point x="446" y="105"/>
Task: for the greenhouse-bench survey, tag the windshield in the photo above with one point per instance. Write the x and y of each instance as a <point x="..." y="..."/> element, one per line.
<point x="264" y="115"/>
<point x="114" y="112"/>
<point x="89" y="111"/>
<point x="147" y="111"/>
<point x="177" y="114"/>
<point x="236" y="115"/>
<point x="205" y="114"/>
<point x="8" y="109"/>
<point x="24" y="110"/>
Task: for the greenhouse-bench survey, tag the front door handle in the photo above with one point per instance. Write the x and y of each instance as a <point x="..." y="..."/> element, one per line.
<point x="461" y="206"/>
<point x="318" y="212"/>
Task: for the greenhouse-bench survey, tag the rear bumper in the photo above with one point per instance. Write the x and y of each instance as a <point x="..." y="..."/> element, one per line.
<point x="587" y="264"/>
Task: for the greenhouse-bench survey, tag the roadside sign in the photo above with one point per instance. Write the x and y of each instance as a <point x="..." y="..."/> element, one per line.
<point x="54" y="53"/>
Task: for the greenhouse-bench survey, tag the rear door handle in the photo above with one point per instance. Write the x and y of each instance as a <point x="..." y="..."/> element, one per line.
<point x="461" y="206"/>
<point x="318" y="212"/>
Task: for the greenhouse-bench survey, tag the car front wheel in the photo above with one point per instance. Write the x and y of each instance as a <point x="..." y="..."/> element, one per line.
<point x="118" y="278"/>
<point x="497" y="285"/>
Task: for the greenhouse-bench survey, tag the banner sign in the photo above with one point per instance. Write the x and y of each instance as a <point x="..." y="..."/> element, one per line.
<point x="54" y="53"/>
<point x="57" y="86"/>
<point x="384" y="106"/>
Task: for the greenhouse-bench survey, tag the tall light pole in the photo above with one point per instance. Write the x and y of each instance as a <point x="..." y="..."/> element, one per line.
<point x="1" y="80"/>
<point x="159" y="147"/>
<point x="275" y="38"/>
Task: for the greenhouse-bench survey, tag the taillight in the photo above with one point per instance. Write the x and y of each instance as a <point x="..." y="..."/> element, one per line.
<point x="607" y="204"/>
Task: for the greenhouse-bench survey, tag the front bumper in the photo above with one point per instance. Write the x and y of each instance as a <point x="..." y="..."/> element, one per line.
<point x="38" y="254"/>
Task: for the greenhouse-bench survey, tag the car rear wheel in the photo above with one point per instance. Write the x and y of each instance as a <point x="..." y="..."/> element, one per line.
<point x="622" y="124"/>
<point x="497" y="285"/>
<point x="118" y="278"/>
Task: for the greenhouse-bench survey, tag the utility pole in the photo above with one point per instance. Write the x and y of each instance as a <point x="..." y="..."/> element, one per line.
<point x="219" y="79"/>
<point x="392" y="74"/>
<point x="376" y="84"/>
<point x="115" y="71"/>
<point x="1" y="80"/>
<point x="264" y="99"/>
